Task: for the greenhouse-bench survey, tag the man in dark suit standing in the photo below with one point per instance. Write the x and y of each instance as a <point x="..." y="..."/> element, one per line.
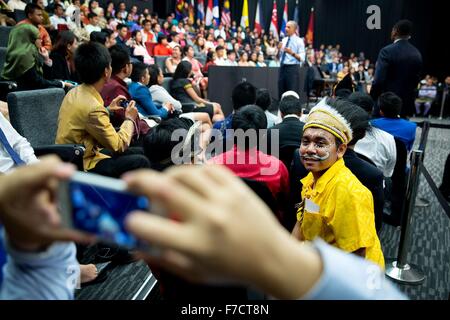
<point x="398" y="68"/>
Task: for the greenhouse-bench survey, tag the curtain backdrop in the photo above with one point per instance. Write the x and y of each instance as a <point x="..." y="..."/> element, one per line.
<point x="344" y="22"/>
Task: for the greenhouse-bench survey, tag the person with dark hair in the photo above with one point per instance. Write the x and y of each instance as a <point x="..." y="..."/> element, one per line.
<point x="138" y="48"/>
<point x="45" y="17"/>
<point x="211" y="58"/>
<point x="110" y="38"/>
<point x="291" y="128"/>
<point x="336" y="206"/>
<point x="25" y="59"/>
<point x="139" y="92"/>
<point x="198" y="79"/>
<point x="63" y="66"/>
<point x="83" y="118"/>
<point x="161" y="96"/>
<point x="377" y="145"/>
<point x="264" y="101"/>
<point x="93" y="23"/>
<point x="100" y="37"/>
<point x="398" y="68"/>
<point x="246" y="160"/>
<point x="58" y="18"/>
<point x="292" y="50"/>
<point x="158" y="144"/>
<point x="162" y="48"/>
<point x="122" y="37"/>
<point x="34" y="16"/>
<point x="147" y="33"/>
<point x="243" y="94"/>
<point x="116" y="86"/>
<point x="390" y="106"/>
<point x="181" y="89"/>
<point x="173" y="61"/>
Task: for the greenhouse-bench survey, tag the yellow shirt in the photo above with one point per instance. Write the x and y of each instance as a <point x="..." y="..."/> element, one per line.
<point x="83" y="119"/>
<point x="341" y="212"/>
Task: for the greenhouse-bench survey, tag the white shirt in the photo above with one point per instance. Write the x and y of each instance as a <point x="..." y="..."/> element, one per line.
<point x="220" y="33"/>
<point x="90" y="28"/>
<point x="379" y="146"/>
<point x="297" y="45"/>
<point x="160" y="96"/>
<point x="16" y="5"/>
<point x="222" y="62"/>
<point x="272" y="119"/>
<point x="18" y="143"/>
<point x="55" y="20"/>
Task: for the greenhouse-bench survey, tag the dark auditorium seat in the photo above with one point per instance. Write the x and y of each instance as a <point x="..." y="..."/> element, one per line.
<point x="34" y="114"/>
<point x="4" y="36"/>
<point x="160" y="61"/>
<point x="5" y="86"/>
<point x="398" y="188"/>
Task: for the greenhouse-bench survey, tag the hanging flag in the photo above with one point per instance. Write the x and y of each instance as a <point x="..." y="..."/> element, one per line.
<point x="259" y="22"/>
<point x="309" y="36"/>
<point x="201" y="10"/>
<point x="244" y="18"/>
<point x="295" y="18"/>
<point x="209" y="13"/>
<point x="179" y="9"/>
<point x="274" y="21"/>
<point x="285" y="19"/>
<point x="226" y="13"/>
<point x="216" y="14"/>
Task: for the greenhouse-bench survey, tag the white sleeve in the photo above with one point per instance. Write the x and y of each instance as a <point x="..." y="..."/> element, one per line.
<point x="392" y="156"/>
<point x="17" y="142"/>
<point x="302" y="52"/>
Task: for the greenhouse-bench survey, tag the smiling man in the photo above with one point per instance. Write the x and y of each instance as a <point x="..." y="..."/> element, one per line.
<point x="336" y="206"/>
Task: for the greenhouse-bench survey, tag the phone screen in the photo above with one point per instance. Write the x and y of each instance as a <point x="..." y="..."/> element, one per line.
<point x="102" y="211"/>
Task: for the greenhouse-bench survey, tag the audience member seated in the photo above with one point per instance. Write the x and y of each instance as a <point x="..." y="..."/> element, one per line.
<point x="161" y="96"/>
<point x="264" y="101"/>
<point x="139" y="49"/>
<point x="139" y="92"/>
<point x="162" y="48"/>
<point x="181" y="89"/>
<point x="243" y="94"/>
<point x="199" y="80"/>
<point x="116" y="85"/>
<point x="15" y="150"/>
<point x="83" y="118"/>
<point x="58" y="19"/>
<point x="211" y="58"/>
<point x="24" y="60"/>
<point x="246" y="161"/>
<point x="377" y="145"/>
<point x="290" y="130"/>
<point x="158" y="144"/>
<point x="390" y="106"/>
<point x="336" y="206"/>
<point x="62" y="58"/>
<point x="427" y="94"/>
<point x="34" y="14"/>
<point x="121" y="39"/>
<point x="93" y="23"/>
<point x="147" y="34"/>
<point x="173" y="61"/>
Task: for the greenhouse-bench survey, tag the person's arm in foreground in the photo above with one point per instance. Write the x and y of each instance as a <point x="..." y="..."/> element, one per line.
<point x="215" y="210"/>
<point x="40" y="265"/>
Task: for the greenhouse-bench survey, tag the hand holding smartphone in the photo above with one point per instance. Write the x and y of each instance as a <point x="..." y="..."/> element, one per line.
<point x="99" y="205"/>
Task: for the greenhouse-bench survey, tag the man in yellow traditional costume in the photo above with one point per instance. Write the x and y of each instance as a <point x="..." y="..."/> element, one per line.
<point x="336" y="206"/>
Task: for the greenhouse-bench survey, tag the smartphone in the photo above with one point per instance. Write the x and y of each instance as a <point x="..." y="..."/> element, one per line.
<point x="124" y="103"/>
<point x="99" y="205"/>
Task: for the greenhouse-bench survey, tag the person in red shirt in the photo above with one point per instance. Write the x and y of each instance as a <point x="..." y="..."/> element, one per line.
<point x="162" y="48"/>
<point x="246" y="161"/>
<point x="116" y="86"/>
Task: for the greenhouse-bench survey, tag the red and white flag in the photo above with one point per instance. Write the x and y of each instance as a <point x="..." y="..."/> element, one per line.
<point x="209" y="13"/>
<point x="274" y="20"/>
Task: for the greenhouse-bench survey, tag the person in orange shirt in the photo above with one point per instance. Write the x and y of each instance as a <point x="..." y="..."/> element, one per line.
<point x="35" y="17"/>
<point x="162" y="48"/>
